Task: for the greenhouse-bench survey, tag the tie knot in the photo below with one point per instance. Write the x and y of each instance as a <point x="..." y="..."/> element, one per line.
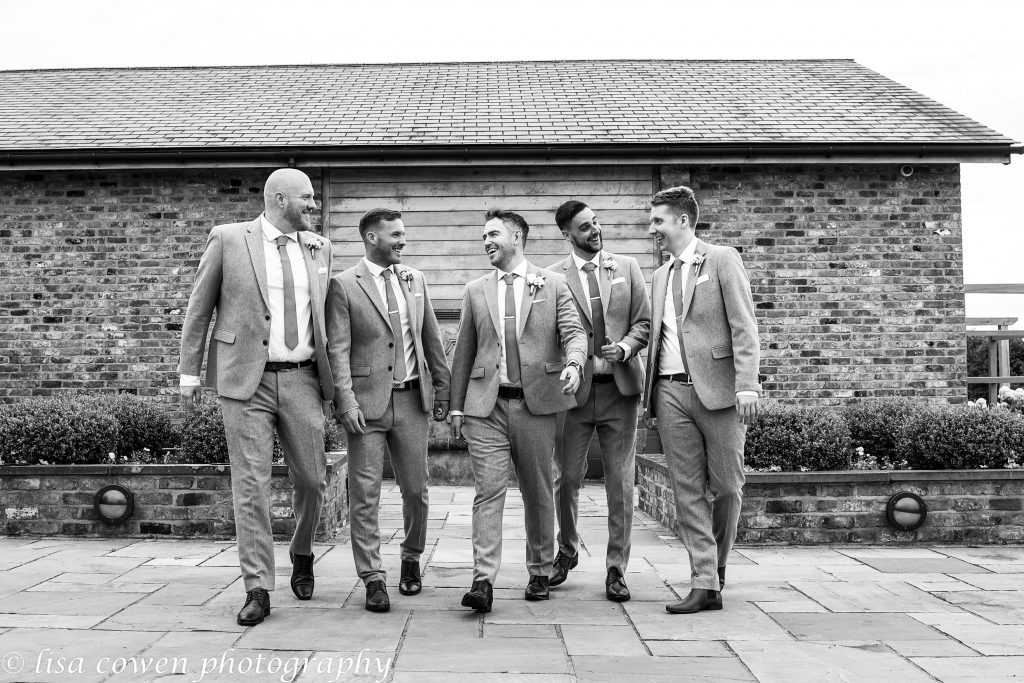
<point x="508" y="278"/>
<point x="283" y="240"/>
<point x="386" y="273"/>
<point x="589" y="267"/>
<point x="677" y="264"/>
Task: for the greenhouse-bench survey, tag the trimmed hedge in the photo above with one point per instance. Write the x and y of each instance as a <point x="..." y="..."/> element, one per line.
<point x="962" y="437"/>
<point x="60" y="430"/>
<point x="794" y="438"/>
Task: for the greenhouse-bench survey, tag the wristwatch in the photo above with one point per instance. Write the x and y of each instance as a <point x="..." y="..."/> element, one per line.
<point x="576" y="364"/>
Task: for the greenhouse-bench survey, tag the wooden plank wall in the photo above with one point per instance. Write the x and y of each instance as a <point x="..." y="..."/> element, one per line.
<point x="443" y="211"/>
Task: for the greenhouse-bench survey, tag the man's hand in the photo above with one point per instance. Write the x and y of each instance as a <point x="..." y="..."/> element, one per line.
<point x="650" y="421"/>
<point x="191" y="397"/>
<point x="746" y="408"/>
<point x="571" y="376"/>
<point x="456" y="428"/>
<point x="353" y="421"/>
<point x="440" y="410"/>
<point x="612" y="352"/>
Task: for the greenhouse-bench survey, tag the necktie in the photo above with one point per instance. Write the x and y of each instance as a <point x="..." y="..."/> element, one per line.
<point x="511" y="343"/>
<point x="396" y="328"/>
<point x="677" y="301"/>
<point x="596" y="309"/>
<point x="291" y="325"/>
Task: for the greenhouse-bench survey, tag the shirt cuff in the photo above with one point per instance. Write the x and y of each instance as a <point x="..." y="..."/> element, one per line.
<point x="625" y="350"/>
<point x="189" y="381"/>
<point x="748" y="393"/>
<point x="456" y="413"/>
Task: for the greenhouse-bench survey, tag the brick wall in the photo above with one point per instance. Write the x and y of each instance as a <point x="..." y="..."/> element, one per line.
<point x="964" y="506"/>
<point x="855" y="294"/>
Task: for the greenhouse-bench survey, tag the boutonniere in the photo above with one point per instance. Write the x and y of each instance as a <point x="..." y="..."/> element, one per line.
<point x="313" y="245"/>
<point x="610" y="265"/>
<point x="535" y="282"/>
<point x="698" y="261"/>
<point x="406" y="275"/>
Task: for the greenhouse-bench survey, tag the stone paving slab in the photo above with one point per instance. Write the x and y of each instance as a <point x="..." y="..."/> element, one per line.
<point x="816" y="662"/>
<point x="835" y="627"/>
<point x="970" y="670"/>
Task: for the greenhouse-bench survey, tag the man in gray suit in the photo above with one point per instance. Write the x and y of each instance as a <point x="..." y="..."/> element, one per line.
<point x="611" y="298"/>
<point x="390" y="372"/>
<point x="509" y="382"/>
<point x="268" y="362"/>
<point x="702" y="387"/>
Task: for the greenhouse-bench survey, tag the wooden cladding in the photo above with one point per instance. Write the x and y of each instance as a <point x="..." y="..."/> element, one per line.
<point x="443" y="211"/>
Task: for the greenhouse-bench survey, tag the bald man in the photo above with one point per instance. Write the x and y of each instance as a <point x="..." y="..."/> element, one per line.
<point x="267" y="281"/>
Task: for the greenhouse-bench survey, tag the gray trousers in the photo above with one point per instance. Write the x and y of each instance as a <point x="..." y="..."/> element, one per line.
<point x="402" y="433"/>
<point x="614" y="417"/>
<point x="511" y="436"/>
<point x="704" y="454"/>
<point x="289" y="401"/>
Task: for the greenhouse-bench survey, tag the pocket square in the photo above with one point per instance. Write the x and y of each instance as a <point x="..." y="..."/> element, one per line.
<point x="322" y="271"/>
<point x="418" y="294"/>
<point x="538" y="301"/>
<point x="618" y="280"/>
<point x="703" y="278"/>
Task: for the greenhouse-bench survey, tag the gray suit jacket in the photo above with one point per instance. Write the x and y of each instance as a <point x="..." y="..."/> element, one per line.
<point x="232" y="279"/>
<point x="359" y="333"/>
<point x="549" y="328"/>
<point x="627" y="319"/>
<point x="719" y="329"/>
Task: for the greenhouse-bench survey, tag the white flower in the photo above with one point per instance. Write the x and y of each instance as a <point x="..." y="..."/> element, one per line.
<point x="406" y="276"/>
<point x="312" y="245"/>
<point x="698" y="260"/>
<point x="535" y="281"/>
<point x="610" y="265"/>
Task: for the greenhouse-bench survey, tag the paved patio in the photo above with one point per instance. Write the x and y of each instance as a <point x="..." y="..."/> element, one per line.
<point x="141" y="610"/>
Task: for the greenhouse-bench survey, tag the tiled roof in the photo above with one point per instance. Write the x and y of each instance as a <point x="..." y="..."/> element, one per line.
<point x="507" y="103"/>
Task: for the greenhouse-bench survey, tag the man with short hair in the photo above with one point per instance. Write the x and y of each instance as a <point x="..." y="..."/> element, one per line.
<point x="390" y="373"/>
<point x="611" y="299"/>
<point x="702" y="387"/>
<point x="509" y="382"/>
<point x="268" y="362"/>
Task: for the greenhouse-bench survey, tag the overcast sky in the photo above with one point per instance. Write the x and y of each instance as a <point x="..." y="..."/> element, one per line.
<point x="966" y="55"/>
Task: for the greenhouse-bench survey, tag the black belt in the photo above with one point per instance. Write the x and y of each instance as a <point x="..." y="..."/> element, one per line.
<point x="603" y="379"/>
<point x="280" y="366"/>
<point x="506" y="391"/>
<point x="681" y="377"/>
<point x="406" y="386"/>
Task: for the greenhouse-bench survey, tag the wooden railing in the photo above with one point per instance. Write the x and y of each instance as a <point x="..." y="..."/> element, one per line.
<point x="998" y="341"/>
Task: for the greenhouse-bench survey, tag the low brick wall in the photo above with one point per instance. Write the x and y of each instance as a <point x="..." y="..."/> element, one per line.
<point x="964" y="506"/>
<point x="170" y="500"/>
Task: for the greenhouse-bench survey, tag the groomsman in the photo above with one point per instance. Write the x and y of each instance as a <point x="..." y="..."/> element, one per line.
<point x="268" y="362"/>
<point x="701" y="387"/>
<point x="390" y="372"/>
<point x="611" y="298"/>
<point x="509" y="382"/>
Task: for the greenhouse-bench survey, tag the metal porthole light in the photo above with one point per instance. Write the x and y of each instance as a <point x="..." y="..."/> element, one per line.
<point x="114" y="504"/>
<point x="906" y="511"/>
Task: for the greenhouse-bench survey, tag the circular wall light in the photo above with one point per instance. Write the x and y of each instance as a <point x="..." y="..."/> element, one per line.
<point x="906" y="511"/>
<point x="113" y="504"/>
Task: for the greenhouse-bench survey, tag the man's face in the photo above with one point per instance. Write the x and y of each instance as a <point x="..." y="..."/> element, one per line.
<point x="671" y="233"/>
<point x="387" y="241"/>
<point x="499" y="243"/>
<point x="584" y="232"/>
<point x="299" y="206"/>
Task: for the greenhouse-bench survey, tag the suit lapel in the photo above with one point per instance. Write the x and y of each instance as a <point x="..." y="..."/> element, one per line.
<point x="254" y="241"/>
<point x="604" y="283"/>
<point x="527" y="303"/>
<point x="658" y="290"/>
<point x="410" y="302"/>
<point x="491" y="298"/>
<point x="572" y="277"/>
<point x="365" y="280"/>
<point x="691" y="281"/>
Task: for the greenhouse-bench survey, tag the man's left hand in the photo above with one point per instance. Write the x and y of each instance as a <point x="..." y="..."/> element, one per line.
<point x="440" y="410"/>
<point x="746" y="408"/>
<point x="611" y="352"/>
<point x="571" y="376"/>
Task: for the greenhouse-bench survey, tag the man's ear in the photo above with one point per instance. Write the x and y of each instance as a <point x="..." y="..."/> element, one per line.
<point x="565" y="235"/>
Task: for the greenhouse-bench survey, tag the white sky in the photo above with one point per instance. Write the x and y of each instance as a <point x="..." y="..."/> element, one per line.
<point x="966" y="55"/>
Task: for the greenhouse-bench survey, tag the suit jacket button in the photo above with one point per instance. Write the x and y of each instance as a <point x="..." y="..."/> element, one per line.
<point x="389" y="367"/>
<point x="267" y="317"/>
<point x="591" y="335"/>
<point x="391" y="345"/>
<point x="265" y="342"/>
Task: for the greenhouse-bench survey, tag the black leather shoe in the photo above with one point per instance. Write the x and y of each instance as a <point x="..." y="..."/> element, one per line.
<point x="615" y="586"/>
<point x="697" y="601"/>
<point x="721" y="577"/>
<point x="410" y="583"/>
<point x="302" y="576"/>
<point x="479" y="597"/>
<point x="377" y="599"/>
<point x="257" y="606"/>
<point x="563" y="563"/>
<point x="537" y="589"/>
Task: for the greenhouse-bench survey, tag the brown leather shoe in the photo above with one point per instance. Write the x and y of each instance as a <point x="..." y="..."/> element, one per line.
<point x="302" y="576"/>
<point x="256" y="607"/>
<point x="721" y="577"/>
<point x="537" y="589"/>
<point x="479" y="597"/>
<point x="615" y="586"/>
<point x="377" y="599"/>
<point x="697" y="601"/>
<point x="560" y="570"/>
<point x="410" y="583"/>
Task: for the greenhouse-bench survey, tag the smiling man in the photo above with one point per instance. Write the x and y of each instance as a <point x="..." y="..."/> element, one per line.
<point x="390" y="374"/>
<point x="509" y="381"/>
<point x="702" y="387"/>
<point x="268" y="362"/>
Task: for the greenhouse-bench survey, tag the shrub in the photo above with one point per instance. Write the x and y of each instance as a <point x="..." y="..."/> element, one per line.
<point x="876" y="427"/>
<point x="963" y="437"/>
<point x="791" y="438"/>
<point x="145" y="427"/>
<point x="58" y="430"/>
<point x="202" y="436"/>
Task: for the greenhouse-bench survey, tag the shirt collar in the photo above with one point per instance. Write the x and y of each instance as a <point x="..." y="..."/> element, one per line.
<point x="687" y="255"/>
<point x="519" y="270"/>
<point x="374" y="269"/>
<point x="270" y="232"/>
<point x="596" y="260"/>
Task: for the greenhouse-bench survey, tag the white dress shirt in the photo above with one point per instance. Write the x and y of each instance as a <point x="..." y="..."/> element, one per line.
<point x="518" y="287"/>
<point x="277" y="349"/>
<point x="403" y="313"/>
<point x="601" y="366"/>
